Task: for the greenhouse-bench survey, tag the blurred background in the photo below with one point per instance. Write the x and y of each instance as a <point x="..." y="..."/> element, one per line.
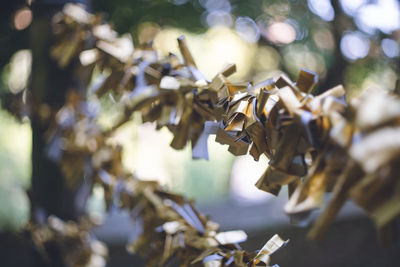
<point x="351" y="42"/>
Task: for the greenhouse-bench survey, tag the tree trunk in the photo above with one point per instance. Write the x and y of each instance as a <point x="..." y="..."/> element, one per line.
<point x="50" y="194"/>
<point x="48" y="88"/>
<point x="336" y="71"/>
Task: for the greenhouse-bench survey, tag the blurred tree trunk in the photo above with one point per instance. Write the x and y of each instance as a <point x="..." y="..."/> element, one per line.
<point x="50" y="194"/>
<point x="48" y="88"/>
<point x="335" y="73"/>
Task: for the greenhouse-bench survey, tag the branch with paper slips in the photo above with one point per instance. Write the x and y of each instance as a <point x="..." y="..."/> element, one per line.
<point x="316" y="144"/>
<point x="167" y="226"/>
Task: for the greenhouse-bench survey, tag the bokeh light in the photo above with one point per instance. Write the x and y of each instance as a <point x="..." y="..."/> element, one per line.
<point x="15" y="171"/>
<point x="390" y="47"/>
<point x="281" y="33"/>
<point x="218" y="18"/>
<point x="297" y="56"/>
<point x="354" y="45"/>
<point x="216" y="5"/>
<point x="383" y="15"/>
<point x="323" y="38"/>
<point x="267" y="59"/>
<point x="22" y="18"/>
<point x="350" y="7"/>
<point x="322" y="8"/>
<point x="247" y="29"/>
<point x="20" y="69"/>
